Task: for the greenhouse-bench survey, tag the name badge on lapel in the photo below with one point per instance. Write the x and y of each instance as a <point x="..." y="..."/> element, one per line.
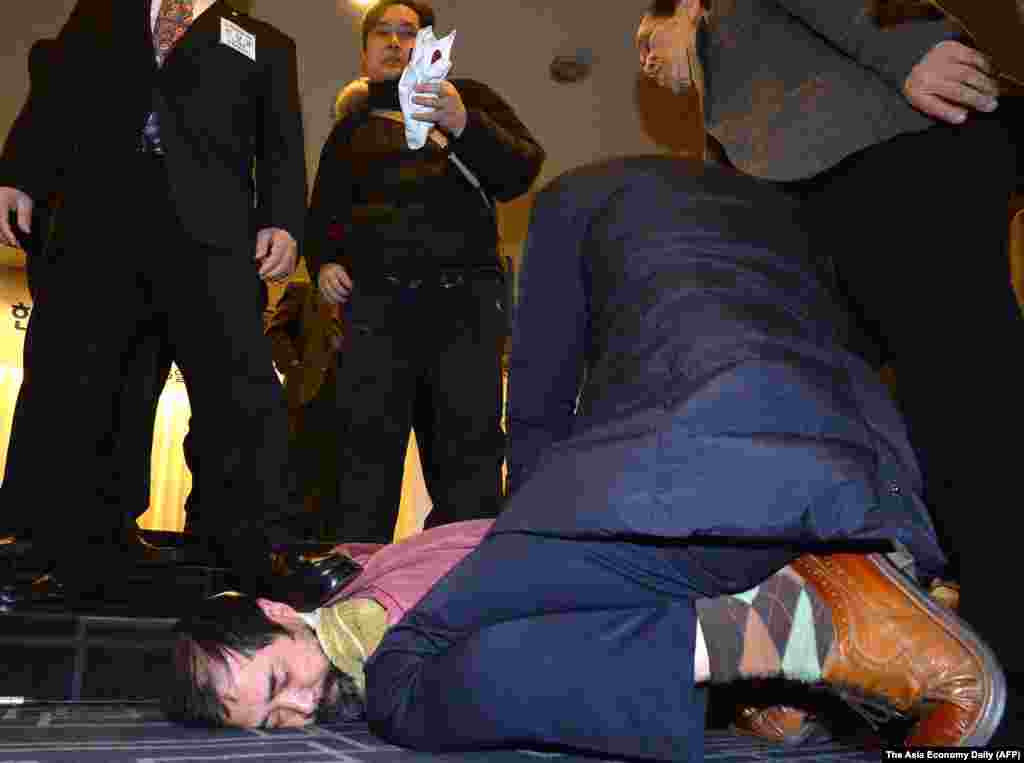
<point x="237" y="38"/>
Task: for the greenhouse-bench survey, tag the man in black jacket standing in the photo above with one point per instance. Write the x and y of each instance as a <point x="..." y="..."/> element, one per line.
<point x="408" y="243"/>
<point x="173" y="130"/>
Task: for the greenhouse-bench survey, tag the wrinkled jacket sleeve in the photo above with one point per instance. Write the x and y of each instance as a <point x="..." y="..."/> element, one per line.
<point x="890" y="51"/>
<point x="549" y="336"/>
<point x="331" y="202"/>
<point x="281" y="155"/>
<point x="495" y="144"/>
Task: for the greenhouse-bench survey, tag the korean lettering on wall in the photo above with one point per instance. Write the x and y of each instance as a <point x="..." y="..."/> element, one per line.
<point x="19" y="314"/>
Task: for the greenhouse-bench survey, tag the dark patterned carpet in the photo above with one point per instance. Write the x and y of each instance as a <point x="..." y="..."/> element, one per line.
<point x="92" y="673"/>
<point x="137" y="734"/>
<point x="85" y="670"/>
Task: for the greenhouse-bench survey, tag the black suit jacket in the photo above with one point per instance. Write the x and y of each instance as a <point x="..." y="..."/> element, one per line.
<point x="39" y="68"/>
<point x="232" y="126"/>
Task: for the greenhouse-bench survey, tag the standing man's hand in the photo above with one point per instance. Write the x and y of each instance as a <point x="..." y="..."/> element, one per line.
<point x="447" y="109"/>
<point x="276" y="253"/>
<point x="335" y="284"/>
<point x="950" y="81"/>
<point x="20" y="203"/>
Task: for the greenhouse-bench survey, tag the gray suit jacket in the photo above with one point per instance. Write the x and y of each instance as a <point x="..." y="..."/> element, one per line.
<point x="794" y="86"/>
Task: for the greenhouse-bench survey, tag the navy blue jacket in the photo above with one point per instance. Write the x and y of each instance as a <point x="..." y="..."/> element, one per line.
<point x="684" y="313"/>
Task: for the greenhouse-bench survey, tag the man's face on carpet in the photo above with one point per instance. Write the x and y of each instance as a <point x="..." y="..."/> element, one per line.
<point x="288" y="683"/>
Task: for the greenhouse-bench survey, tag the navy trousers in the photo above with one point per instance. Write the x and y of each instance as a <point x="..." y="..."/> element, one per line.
<point x="544" y="642"/>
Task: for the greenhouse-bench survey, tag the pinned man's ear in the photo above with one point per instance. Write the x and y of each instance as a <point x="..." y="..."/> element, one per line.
<point x="278" y="612"/>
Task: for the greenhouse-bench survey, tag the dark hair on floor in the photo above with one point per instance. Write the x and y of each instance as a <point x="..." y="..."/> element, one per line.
<point x="374" y="12"/>
<point x="219" y="624"/>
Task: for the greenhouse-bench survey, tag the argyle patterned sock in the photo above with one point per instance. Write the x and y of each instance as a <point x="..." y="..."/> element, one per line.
<point x="781" y="627"/>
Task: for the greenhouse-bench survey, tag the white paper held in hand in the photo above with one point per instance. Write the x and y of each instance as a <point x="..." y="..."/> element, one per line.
<point x="430" y="61"/>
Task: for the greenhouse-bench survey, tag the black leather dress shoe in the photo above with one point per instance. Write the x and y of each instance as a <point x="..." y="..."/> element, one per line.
<point x="137" y="550"/>
<point x="54" y="591"/>
<point x="12" y="547"/>
<point x="121" y="549"/>
<point x="308" y="584"/>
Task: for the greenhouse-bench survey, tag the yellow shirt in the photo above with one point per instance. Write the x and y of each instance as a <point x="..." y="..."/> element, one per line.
<point x="349" y="632"/>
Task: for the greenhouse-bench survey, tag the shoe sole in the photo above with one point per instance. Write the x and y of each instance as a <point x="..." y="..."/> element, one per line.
<point x="994" y="704"/>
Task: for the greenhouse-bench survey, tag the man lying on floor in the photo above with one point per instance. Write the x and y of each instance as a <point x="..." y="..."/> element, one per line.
<point x="717" y="401"/>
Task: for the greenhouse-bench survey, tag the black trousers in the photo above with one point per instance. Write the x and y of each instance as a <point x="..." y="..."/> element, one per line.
<point x="100" y="300"/>
<point x="129" y="440"/>
<point x="313" y="458"/>
<point x="426" y="357"/>
<point x="145" y="373"/>
<point x="918" y="230"/>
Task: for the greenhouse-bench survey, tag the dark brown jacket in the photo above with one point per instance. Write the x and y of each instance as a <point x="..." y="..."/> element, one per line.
<point x="303" y="331"/>
<point x="380" y="208"/>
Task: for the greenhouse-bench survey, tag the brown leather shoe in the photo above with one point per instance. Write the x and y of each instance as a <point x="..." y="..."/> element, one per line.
<point x="779" y="723"/>
<point x="792" y="725"/>
<point x="893" y="641"/>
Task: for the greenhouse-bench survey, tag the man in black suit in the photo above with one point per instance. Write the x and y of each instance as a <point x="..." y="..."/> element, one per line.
<point x="173" y="132"/>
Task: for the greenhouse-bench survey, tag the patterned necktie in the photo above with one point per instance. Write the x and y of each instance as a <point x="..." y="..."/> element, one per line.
<point x="172" y="21"/>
